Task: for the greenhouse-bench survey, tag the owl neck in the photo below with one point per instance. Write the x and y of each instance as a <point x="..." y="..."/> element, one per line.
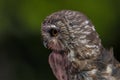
<point x="82" y="57"/>
<point x="87" y="51"/>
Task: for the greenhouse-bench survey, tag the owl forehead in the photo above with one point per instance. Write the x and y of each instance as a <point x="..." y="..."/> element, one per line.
<point x="61" y="15"/>
<point x="68" y="17"/>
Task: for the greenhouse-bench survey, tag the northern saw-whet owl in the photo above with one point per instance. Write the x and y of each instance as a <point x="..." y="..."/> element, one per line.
<point x="77" y="52"/>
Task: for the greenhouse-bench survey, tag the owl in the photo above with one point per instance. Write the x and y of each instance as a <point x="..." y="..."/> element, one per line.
<point x="76" y="49"/>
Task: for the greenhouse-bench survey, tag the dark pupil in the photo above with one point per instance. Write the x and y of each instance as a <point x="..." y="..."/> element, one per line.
<point x="53" y="32"/>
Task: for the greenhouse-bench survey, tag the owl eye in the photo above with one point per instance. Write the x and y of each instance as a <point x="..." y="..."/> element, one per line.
<point x="53" y="32"/>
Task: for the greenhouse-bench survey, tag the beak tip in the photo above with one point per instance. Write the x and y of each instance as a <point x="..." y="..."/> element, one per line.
<point x="45" y="44"/>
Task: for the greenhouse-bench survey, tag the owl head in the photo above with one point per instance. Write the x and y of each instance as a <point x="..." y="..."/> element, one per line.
<point x="69" y="30"/>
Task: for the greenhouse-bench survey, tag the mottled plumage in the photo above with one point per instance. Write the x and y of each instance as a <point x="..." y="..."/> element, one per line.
<point x="77" y="52"/>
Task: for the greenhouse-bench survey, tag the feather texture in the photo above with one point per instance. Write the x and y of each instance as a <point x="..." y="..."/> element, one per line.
<point x="77" y="52"/>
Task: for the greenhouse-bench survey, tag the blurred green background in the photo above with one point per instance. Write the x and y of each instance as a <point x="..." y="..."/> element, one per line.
<point x="22" y="54"/>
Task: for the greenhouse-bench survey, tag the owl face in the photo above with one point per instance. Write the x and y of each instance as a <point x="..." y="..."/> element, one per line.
<point x="52" y="37"/>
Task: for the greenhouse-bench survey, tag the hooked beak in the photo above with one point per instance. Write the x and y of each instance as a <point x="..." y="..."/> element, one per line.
<point x="45" y="44"/>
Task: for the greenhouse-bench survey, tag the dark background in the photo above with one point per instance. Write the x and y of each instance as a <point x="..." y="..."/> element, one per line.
<point x="22" y="54"/>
